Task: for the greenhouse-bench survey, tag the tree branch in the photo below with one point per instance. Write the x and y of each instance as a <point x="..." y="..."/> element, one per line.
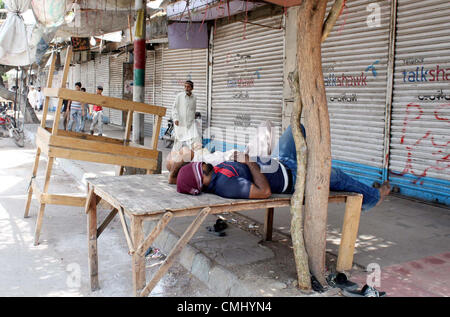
<point x="297" y="212"/>
<point x="332" y="17"/>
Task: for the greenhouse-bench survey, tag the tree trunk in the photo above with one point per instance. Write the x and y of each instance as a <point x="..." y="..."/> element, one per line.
<point x="311" y="15"/>
<point x="29" y="115"/>
<point x="297" y="212"/>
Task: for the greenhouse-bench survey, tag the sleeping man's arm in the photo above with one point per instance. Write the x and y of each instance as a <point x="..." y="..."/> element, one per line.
<point x="260" y="189"/>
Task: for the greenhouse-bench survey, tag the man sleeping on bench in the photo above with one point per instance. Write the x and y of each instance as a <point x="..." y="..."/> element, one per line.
<point x="244" y="178"/>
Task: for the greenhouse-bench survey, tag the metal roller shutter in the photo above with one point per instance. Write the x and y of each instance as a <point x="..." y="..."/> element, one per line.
<point x="70" y="77"/>
<point x="102" y="77"/>
<point x="116" y="85"/>
<point x="158" y="75"/>
<point x="90" y="83"/>
<point x="354" y="61"/>
<point x="84" y="75"/>
<point x="420" y="138"/>
<point x="247" y="79"/>
<point x="181" y="65"/>
<point x="76" y="75"/>
<point x="149" y="88"/>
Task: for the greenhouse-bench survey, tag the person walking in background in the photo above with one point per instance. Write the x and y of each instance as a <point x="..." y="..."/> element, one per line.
<point x="183" y="115"/>
<point x="76" y="111"/>
<point x="65" y="112"/>
<point x="85" y="111"/>
<point x="97" y="115"/>
<point x="32" y="98"/>
<point x="39" y="99"/>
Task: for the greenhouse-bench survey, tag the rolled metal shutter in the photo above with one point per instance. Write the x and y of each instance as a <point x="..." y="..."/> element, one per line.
<point x="116" y="85"/>
<point x="149" y="80"/>
<point x="102" y="78"/>
<point x="76" y="75"/>
<point x="83" y="75"/>
<point x="90" y="84"/>
<point x="354" y="62"/>
<point x="70" y="77"/>
<point x="181" y="65"/>
<point x="158" y="75"/>
<point x="420" y="137"/>
<point x="247" y="79"/>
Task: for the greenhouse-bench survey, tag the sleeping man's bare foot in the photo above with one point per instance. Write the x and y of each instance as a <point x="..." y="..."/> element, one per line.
<point x="384" y="189"/>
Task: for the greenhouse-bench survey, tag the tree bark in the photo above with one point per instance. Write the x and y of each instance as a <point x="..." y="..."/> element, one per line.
<point x="332" y="17"/>
<point x="311" y="15"/>
<point x="297" y="212"/>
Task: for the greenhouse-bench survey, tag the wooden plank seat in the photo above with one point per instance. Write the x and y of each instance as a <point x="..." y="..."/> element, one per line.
<point x="56" y="143"/>
<point x="150" y="197"/>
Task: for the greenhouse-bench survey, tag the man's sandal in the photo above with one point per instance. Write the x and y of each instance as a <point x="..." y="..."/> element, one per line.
<point x="366" y="291"/>
<point x="340" y="280"/>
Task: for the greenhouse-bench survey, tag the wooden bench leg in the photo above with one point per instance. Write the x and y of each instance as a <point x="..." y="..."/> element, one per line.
<point x="349" y="233"/>
<point x="162" y="223"/>
<point x="33" y="175"/>
<point x="92" y="240"/>
<point x="137" y="234"/>
<point x="40" y="217"/>
<point x="268" y="224"/>
<point x="187" y="235"/>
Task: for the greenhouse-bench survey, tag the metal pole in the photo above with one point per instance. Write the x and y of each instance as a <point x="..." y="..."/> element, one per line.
<point x="139" y="69"/>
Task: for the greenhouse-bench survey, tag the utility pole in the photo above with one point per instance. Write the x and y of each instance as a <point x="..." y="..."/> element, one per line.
<point x="139" y="68"/>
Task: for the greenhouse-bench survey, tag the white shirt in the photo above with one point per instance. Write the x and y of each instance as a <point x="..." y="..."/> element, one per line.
<point x="39" y="97"/>
<point x="32" y="97"/>
<point x="183" y="110"/>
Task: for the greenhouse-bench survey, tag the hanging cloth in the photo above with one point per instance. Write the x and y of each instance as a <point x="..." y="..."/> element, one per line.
<point x="14" y="36"/>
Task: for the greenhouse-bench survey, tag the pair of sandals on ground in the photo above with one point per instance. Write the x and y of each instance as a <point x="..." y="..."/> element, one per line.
<point x="349" y="288"/>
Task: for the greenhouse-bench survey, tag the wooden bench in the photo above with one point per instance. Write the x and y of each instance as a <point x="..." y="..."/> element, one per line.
<point x="150" y="197"/>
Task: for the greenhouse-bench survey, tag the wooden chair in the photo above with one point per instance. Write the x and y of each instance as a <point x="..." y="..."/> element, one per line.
<point x="57" y="143"/>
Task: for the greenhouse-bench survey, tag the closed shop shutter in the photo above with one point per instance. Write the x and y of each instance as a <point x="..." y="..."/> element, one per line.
<point x="56" y="83"/>
<point x="354" y="60"/>
<point x="420" y="137"/>
<point x="70" y="77"/>
<point x="247" y="79"/>
<point x="149" y="80"/>
<point x="90" y="83"/>
<point x="181" y="65"/>
<point x="116" y="85"/>
<point x="102" y="77"/>
<point x="76" y="76"/>
<point x="84" y="75"/>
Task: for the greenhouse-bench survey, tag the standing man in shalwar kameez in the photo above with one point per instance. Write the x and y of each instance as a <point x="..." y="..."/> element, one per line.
<point x="183" y="115"/>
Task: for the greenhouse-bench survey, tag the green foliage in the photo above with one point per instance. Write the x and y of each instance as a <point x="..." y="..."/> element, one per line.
<point x="2" y="5"/>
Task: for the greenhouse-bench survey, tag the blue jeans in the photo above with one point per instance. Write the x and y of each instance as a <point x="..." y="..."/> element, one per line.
<point x="339" y="181"/>
<point x="75" y="116"/>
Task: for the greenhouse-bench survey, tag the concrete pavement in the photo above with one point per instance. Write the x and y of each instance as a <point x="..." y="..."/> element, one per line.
<point x="391" y="236"/>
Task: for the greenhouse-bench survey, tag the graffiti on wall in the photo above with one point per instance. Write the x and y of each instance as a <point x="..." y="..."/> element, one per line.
<point x="178" y="80"/>
<point x="240" y="80"/>
<point x="437" y="96"/>
<point x="344" y="98"/>
<point x="242" y="120"/>
<point x="439" y="143"/>
<point x="424" y="74"/>
<point x="350" y="79"/>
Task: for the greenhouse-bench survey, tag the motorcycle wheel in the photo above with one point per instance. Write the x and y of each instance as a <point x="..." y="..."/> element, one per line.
<point x="168" y="142"/>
